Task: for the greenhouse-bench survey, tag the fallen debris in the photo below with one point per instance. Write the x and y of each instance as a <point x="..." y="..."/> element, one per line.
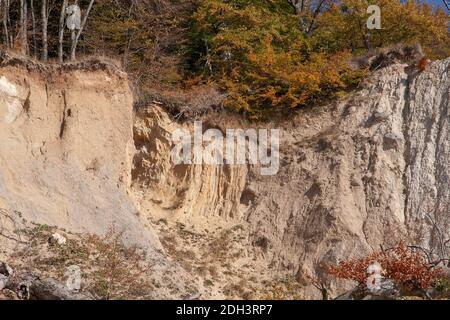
<point x="29" y="286"/>
<point x="6" y="270"/>
<point x="3" y="281"/>
<point x="57" y="238"/>
<point x="73" y="274"/>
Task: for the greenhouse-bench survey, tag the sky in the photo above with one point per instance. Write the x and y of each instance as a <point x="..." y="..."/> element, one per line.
<point x="439" y="3"/>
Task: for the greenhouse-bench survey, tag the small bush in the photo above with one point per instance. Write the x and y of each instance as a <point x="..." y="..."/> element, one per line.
<point x="110" y="269"/>
<point x="443" y="286"/>
<point x="407" y="267"/>
<point x="120" y="272"/>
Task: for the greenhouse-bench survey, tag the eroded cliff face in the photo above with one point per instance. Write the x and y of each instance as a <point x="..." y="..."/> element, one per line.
<point x="66" y="155"/>
<point x="66" y="147"/>
<point x="372" y="169"/>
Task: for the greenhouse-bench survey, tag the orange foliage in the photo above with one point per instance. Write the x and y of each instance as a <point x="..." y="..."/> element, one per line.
<point x="423" y="63"/>
<point x="407" y="267"/>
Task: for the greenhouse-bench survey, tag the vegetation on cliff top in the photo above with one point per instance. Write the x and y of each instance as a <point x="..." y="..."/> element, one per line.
<point x="265" y="56"/>
<point x="269" y="57"/>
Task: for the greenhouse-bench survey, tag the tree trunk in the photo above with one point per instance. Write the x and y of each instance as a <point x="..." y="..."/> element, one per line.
<point x="8" y="19"/>
<point x="128" y="38"/>
<point x="23" y="27"/>
<point x="61" y="32"/>
<point x="5" y="23"/>
<point x="20" y="26"/>
<point x="298" y="5"/>
<point x="33" y="22"/>
<point x="29" y="286"/>
<point x="44" y="14"/>
<point x="77" y="37"/>
<point x="314" y="17"/>
<point x="25" y="49"/>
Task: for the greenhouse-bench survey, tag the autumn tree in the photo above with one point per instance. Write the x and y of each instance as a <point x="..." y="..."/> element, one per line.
<point x="267" y="57"/>
<point x="309" y="11"/>
<point x="259" y="54"/>
<point x="274" y="56"/>
<point x="147" y="36"/>
<point x="343" y="26"/>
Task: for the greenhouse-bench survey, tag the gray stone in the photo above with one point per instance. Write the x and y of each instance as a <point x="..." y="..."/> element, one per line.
<point x="6" y="269"/>
<point x="56" y="238"/>
<point x="73" y="281"/>
<point x="3" y="281"/>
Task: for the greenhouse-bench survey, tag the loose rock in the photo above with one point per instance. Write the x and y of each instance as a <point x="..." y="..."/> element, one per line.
<point x="59" y="239"/>
<point x="73" y="274"/>
<point x="3" y="281"/>
<point x="6" y="270"/>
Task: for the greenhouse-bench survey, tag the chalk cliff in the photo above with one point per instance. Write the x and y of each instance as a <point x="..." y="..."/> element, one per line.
<point x="370" y="169"/>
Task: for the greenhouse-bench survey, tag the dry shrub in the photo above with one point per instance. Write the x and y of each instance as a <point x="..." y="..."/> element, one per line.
<point x="110" y="268"/>
<point x="197" y="101"/>
<point x="185" y="104"/>
<point x="287" y="288"/>
<point x="407" y="267"/>
<point x="121" y="272"/>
